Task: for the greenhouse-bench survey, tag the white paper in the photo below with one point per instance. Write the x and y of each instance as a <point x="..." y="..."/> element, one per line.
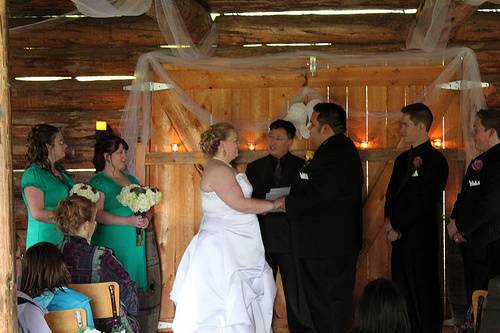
<point x="276" y="193"/>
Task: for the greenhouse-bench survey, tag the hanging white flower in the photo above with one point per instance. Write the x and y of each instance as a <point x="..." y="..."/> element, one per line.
<point x="85" y="191"/>
<point x="297" y="115"/>
<point x="139" y="199"/>
<point x="310" y="108"/>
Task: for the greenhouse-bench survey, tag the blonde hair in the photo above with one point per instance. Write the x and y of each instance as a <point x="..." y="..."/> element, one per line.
<point x="72" y="212"/>
<point x="211" y="138"/>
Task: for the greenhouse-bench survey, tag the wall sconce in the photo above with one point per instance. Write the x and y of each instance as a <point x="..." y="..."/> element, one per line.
<point x="437" y="143"/>
<point x="251" y="146"/>
<point x="175" y="147"/>
<point x="313" y="67"/>
<point x="363" y="144"/>
<point x="101" y="125"/>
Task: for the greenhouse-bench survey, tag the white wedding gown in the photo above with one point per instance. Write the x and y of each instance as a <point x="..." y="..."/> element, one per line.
<point x="223" y="283"/>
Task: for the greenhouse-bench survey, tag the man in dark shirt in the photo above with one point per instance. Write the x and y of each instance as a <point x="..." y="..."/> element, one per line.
<point x="475" y="219"/>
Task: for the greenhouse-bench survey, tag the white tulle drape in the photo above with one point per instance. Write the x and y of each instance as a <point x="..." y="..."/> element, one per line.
<point x="103" y="8"/>
<point x="432" y="29"/>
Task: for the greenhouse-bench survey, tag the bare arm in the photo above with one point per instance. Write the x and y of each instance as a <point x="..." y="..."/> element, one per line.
<point x="220" y="179"/>
<point x="34" y="198"/>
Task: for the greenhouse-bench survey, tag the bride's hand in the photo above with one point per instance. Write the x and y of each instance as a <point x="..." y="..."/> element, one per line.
<point x="279" y="203"/>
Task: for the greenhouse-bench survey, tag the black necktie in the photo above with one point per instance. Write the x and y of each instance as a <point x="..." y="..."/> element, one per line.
<point x="277" y="174"/>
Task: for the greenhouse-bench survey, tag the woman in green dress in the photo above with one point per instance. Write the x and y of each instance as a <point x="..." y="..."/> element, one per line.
<point x="44" y="183"/>
<point x="117" y="224"/>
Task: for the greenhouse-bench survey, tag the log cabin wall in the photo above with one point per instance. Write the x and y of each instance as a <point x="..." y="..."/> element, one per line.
<point x="87" y="46"/>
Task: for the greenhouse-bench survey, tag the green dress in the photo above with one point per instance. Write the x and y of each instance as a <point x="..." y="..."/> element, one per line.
<point x="54" y="190"/>
<point x="120" y="238"/>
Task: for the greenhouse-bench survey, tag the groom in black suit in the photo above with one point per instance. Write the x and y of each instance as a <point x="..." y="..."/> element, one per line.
<point x="413" y="217"/>
<point x="324" y="208"/>
<point x="475" y="219"/>
<point x="278" y="169"/>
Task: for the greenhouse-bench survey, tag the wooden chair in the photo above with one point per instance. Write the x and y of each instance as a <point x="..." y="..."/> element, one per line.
<point x="104" y="298"/>
<point x="478" y="302"/>
<point x="66" y="321"/>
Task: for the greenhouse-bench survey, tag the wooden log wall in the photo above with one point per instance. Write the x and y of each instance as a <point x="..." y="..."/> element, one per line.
<point x="255" y="97"/>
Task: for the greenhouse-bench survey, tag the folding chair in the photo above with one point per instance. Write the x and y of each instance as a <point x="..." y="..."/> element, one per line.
<point x="104" y="298"/>
<point x="478" y="302"/>
<point x="66" y="321"/>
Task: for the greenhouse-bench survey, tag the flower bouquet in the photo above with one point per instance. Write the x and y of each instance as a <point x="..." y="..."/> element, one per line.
<point x="139" y="199"/>
<point x="85" y="191"/>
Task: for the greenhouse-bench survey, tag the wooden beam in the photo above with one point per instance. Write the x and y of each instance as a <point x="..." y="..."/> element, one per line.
<point x="355" y="29"/>
<point x="122" y="60"/>
<point x="196" y="18"/>
<point x="239" y="30"/>
<point x="90" y="32"/>
<point x="7" y="244"/>
<point x="194" y="79"/>
<point x="41" y="100"/>
<point x="197" y="157"/>
<point x="75" y="61"/>
<point x="185" y="124"/>
<point x="30" y="8"/>
<point x="224" y="6"/>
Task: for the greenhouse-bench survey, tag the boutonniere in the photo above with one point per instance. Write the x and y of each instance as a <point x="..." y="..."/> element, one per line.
<point x="417" y="162"/>
<point x="309" y="155"/>
<point x="477" y="165"/>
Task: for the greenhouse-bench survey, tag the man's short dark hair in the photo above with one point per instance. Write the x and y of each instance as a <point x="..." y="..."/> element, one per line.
<point x="420" y="114"/>
<point x="490" y="118"/>
<point x="286" y="125"/>
<point x="333" y="115"/>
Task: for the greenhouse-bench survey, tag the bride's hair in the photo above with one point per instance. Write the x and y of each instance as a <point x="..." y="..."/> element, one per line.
<point x="211" y="138"/>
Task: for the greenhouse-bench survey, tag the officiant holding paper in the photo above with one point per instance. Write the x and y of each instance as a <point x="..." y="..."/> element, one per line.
<point x="275" y="173"/>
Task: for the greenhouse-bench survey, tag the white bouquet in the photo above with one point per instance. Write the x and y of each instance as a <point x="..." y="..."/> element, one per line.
<point x="139" y="199"/>
<point x="85" y="191"/>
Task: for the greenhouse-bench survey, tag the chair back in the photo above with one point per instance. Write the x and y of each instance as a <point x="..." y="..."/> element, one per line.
<point x="66" y="321"/>
<point x="478" y="302"/>
<point x="104" y="298"/>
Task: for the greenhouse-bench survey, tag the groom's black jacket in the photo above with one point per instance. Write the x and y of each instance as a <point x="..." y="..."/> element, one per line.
<point x="325" y="209"/>
<point x="477" y="209"/>
<point x="273" y="226"/>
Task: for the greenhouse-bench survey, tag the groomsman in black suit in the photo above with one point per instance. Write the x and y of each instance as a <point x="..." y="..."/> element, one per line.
<point x="413" y="217"/>
<point x="324" y="208"/>
<point x="475" y="219"/>
<point x="278" y="169"/>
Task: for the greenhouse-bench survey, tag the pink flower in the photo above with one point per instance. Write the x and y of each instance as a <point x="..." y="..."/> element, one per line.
<point x="417" y="161"/>
<point x="477" y="165"/>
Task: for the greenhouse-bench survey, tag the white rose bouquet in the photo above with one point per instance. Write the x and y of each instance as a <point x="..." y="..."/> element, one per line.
<point x="85" y="191"/>
<point x="139" y="199"/>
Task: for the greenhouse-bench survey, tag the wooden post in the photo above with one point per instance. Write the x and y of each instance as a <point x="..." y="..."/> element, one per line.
<point x="140" y="167"/>
<point x="7" y="259"/>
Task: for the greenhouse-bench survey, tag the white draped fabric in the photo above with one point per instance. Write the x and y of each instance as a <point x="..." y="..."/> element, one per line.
<point x="432" y="29"/>
<point x="112" y="8"/>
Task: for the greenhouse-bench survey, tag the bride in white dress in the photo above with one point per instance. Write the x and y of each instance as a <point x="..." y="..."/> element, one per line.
<point x="223" y="283"/>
